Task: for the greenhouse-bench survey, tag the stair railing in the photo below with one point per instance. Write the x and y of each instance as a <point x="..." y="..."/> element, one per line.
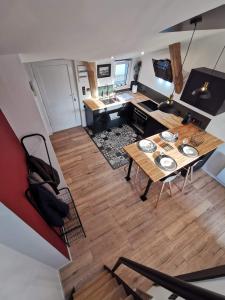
<point x="176" y="286"/>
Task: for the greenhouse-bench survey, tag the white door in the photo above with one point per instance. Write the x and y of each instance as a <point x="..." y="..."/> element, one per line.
<point x="55" y="80"/>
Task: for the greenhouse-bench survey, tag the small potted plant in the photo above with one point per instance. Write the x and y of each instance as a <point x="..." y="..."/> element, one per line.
<point x="134" y="83"/>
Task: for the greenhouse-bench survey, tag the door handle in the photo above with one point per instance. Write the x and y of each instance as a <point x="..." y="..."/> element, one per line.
<point x="74" y="98"/>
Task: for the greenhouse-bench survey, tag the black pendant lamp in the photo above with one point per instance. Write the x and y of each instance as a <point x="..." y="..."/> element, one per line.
<point x="167" y="106"/>
<point x="203" y="92"/>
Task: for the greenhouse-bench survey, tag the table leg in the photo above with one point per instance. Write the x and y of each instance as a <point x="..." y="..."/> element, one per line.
<point x="143" y="197"/>
<point x="129" y="169"/>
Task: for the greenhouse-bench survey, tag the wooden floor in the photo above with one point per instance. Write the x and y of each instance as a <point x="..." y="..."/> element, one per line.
<point x="185" y="233"/>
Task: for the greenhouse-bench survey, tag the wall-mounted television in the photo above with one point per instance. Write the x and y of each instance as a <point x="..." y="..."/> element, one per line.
<point x="162" y="69"/>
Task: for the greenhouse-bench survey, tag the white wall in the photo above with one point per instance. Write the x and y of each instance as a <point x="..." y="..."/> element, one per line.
<point x="203" y="53"/>
<point x="18" y="105"/>
<point x="215" y="285"/>
<point x="23" y="278"/>
<point x="107" y="80"/>
<point x="16" y="234"/>
<point x="110" y="80"/>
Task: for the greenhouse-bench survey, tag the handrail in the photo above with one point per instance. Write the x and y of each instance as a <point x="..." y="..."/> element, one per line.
<point x="211" y="273"/>
<point x="175" y="285"/>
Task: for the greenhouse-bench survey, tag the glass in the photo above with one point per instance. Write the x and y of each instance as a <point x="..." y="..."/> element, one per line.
<point x="121" y="73"/>
<point x="161" y="153"/>
<point x="175" y="135"/>
<point x="185" y="141"/>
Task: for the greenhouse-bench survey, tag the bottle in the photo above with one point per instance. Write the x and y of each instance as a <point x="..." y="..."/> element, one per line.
<point x="187" y="119"/>
<point x="134" y="88"/>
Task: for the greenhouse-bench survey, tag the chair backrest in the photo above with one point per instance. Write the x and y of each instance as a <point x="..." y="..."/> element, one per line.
<point x="171" y="178"/>
<point x="197" y="163"/>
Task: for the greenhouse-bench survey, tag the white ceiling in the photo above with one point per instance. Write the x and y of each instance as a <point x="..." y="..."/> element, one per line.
<point x="92" y="29"/>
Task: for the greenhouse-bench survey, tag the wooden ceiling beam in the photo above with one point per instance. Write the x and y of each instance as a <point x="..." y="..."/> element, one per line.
<point x="92" y="76"/>
<point x="176" y="63"/>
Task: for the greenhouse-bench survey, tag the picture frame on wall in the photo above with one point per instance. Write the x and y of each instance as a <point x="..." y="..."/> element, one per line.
<point x="104" y="70"/>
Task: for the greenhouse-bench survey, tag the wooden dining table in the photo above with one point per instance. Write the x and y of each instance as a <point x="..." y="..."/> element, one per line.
<point x="146" y="161"/>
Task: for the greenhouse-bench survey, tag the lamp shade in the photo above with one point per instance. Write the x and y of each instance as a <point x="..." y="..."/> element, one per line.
<point x="167" y="106"/>
<point x="202" y="92"/>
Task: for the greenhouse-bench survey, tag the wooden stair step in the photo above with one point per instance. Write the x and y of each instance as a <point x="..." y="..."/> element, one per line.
<point x="116" y="294"/>
<point x="93" y="286"/>
<point x="106" y="289"/>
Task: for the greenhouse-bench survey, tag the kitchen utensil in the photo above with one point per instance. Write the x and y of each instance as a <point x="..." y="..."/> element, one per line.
<point x="188" y="150"/>
<point x="147" y="146"/>
<point x="166" y="163"/>
<point x="168" y="136"/>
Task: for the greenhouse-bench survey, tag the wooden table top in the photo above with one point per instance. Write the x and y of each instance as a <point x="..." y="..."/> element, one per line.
<point x="146" y="160"/>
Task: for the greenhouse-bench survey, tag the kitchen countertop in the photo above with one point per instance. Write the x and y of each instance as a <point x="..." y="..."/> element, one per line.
<point x="168" y="120"/>
<point x="146" y="160"/>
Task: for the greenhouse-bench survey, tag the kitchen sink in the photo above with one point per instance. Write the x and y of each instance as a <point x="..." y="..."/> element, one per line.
<point x="108" y="101"/>
<point x="149" y="105"/>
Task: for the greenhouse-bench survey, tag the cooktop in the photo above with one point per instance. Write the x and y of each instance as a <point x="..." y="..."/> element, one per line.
<point x="149" y="105"/>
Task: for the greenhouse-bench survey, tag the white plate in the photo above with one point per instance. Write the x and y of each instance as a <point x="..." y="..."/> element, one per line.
<point x="167" y="135"/>
<point x="146" y="143"/>
<point x="166" y="162"/>
<point x="189" y="150"/>
<point x="147" y="146"/>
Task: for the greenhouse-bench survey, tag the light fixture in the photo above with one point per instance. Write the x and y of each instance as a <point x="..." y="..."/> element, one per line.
<point x="112" y="57"/>
<point x="203" y="92"/>
<point x="167" y="106"/>
<point x="142" y="52"/>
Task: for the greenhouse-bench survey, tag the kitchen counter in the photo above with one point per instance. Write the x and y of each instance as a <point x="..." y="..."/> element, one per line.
<point x="168" y="120"/>
<point x="96" y="104"/>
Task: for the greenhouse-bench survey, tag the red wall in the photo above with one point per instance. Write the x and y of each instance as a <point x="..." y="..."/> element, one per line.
<point x="13" y="183"/>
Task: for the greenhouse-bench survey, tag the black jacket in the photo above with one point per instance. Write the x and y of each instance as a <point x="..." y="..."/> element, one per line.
<point x="51" y="208"/>
<point x="44" y="170"/>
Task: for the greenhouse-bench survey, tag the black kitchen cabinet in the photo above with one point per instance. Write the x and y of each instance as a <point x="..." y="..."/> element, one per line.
<point x="153" y="127"/>
<point x="144" y="124"/>
<point x="127" y="113"/>
<point x="111" y="116"/>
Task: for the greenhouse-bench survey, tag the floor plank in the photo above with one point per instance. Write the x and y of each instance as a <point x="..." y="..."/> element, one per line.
<point x="185" y="233"/>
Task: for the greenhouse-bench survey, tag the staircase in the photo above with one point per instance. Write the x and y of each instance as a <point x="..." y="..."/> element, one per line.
<point x="104" y="287"/>
<point x="109" y="286"/>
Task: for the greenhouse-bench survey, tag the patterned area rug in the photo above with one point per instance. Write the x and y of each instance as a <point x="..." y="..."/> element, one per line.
<point x="111" y="142"/>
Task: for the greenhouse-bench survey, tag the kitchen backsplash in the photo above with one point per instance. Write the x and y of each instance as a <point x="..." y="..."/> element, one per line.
<point x="197" y="118"/>
<point x="105" y="91"/>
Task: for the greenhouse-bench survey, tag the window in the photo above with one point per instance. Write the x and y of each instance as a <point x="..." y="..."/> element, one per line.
<point x="121" y="73"/>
